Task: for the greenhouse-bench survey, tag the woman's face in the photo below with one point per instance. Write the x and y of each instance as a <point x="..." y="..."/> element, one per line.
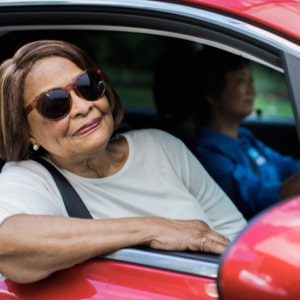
<point x="237" y="97"/>
<point x="88" y="127"/>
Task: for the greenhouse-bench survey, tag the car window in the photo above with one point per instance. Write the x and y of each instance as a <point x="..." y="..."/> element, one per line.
<point x="272" y="97"/>
<point x="130" y="60"/>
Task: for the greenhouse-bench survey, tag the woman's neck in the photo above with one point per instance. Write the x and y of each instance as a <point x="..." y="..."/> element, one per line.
<point x="99" y="165"/>
<point x="227" y="127"/>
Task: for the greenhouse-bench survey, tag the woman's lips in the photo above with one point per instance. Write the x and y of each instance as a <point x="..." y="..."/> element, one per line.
<point x="87" y="127"/>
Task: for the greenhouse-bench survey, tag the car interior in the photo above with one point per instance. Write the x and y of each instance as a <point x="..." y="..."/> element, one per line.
<point x="147" y="71"/>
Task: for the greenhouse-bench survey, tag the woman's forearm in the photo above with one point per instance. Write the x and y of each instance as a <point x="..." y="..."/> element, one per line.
<point x="33" y="247"/>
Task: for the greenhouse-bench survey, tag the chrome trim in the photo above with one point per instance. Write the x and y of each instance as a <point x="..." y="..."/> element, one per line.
<point x="166" y="261"/>
<point x="177" y="9"/>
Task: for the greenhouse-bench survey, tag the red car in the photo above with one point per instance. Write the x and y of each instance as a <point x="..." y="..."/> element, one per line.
<point x="130" y="37"/>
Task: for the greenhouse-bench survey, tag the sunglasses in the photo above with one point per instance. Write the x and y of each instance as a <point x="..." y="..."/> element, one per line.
<point x="56" y="103"/>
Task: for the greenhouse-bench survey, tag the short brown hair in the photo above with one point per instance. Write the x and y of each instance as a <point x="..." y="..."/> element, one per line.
<point x="14" y="133"/>
<point x="211" y="66"/>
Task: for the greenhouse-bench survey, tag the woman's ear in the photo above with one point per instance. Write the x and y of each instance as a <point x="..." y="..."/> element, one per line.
<point x="34" y="143"/>
<point x="32" y="140"/>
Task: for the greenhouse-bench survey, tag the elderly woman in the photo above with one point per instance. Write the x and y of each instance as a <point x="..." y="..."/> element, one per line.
<point x="141" y="187"/>
<point x="253" y="175"/>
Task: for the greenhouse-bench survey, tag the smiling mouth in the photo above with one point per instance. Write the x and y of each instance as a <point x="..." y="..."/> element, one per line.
<point x="88" y="127"/>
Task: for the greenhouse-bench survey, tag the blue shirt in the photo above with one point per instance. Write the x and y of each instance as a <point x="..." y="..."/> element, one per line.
<point x="249" y="172"/>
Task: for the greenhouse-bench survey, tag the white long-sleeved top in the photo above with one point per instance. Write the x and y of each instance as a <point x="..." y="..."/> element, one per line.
<point x="161" y="177"/>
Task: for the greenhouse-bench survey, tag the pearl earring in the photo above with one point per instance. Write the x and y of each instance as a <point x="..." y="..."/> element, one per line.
<point x="35" y="147"/>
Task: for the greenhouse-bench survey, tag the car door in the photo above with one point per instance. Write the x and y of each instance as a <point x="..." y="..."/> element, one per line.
<point x="141" y="273"/>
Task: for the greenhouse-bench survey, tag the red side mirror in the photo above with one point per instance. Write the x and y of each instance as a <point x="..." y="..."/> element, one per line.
<point x="264" y="261"/>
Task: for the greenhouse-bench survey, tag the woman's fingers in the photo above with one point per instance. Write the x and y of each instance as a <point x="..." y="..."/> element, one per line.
<point x="216" y="246"/>
<point x="213" y="242"/>
<point x="191" y="235"/>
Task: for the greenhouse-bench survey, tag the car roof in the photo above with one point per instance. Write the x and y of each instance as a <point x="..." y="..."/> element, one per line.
<point x="281" y="16"/>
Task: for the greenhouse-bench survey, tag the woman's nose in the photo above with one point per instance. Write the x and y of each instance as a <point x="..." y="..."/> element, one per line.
<point x="80" y="106"/>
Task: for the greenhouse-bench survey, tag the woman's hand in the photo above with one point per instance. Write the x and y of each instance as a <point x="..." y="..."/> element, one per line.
<point x="180" y="235"/>
<point x="29" y="252"/>
<point x="290" y="187"/>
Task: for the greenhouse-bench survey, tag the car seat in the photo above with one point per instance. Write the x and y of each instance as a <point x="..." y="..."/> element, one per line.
<point x="172" y="94"/>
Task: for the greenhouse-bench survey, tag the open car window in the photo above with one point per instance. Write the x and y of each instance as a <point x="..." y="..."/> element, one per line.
<point x="133" y="63"/>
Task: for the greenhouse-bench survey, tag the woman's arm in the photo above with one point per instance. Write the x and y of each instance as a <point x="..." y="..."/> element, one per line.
<point x="33" y="247"/>
<point x="290" y="187"/>
<point x="222" y="214"/>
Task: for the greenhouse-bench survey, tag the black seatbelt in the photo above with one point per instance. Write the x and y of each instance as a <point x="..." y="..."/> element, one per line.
<point x="73" y="203"/>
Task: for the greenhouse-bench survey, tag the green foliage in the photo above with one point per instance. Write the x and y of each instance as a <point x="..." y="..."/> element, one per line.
<point x="272" y="93"/>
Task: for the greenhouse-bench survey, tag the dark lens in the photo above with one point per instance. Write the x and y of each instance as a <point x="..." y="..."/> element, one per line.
<point x="54" y="105"/>
<point x="90" y="86"/>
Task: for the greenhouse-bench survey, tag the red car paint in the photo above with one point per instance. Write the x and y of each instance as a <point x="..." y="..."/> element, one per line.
<point x="264" y="262"/>
<point x="101" y="279"/>
<point x="275" y="15"/>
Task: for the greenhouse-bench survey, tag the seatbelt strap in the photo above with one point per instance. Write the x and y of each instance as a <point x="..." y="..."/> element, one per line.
<point x="73" y="203"/>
